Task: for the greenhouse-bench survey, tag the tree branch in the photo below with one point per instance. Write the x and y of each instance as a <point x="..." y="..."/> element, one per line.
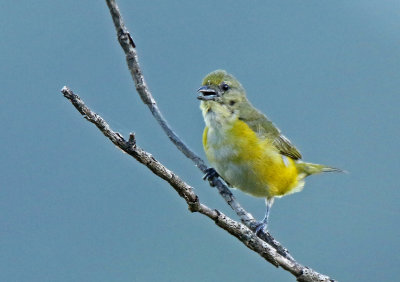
<point x="129" y="48"/>
<point x="239" y="230"/>
<point x="265" y="244"/>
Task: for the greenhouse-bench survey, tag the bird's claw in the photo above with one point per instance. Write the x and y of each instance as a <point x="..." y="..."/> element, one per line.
<point x="261" y="226"/>
<point x="210" y="174"/>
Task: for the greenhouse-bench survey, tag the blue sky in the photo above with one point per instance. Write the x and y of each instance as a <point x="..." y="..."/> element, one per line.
<point x="74" y="208"/>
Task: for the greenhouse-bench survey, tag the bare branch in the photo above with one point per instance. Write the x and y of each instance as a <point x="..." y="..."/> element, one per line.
<point x="129" y="48"/>
<point x="265" y="244"/>
<point x="239" y="230"/>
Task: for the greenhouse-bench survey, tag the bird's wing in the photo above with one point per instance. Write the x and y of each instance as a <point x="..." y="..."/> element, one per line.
<point x="286" y="147"/>
<point x="260" y="124"/>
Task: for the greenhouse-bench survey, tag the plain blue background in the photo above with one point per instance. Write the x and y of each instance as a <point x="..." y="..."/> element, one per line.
<point x="75" y="208"/>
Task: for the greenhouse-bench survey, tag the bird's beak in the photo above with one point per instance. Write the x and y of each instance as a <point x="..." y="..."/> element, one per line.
<point x="206" y="93"/>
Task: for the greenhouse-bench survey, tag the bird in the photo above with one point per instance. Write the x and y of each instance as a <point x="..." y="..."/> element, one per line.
<point x="245" y="148"/>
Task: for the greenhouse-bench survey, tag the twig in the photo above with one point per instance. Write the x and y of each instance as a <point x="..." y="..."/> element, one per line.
<point x="129" y="48"/>
<point x="239" y="230"/>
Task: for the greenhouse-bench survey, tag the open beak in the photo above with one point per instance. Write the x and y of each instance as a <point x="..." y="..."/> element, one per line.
<point x="206" y="93"/>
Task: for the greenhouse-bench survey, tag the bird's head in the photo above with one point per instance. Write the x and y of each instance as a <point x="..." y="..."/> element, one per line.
<point x="221" y="90"/>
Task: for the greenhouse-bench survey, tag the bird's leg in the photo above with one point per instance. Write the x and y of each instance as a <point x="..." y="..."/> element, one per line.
<point x="210" y="173"/>
<point x="263" y="224"/>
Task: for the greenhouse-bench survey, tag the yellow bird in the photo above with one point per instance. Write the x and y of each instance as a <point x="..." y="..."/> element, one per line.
<point x="246" y="149"/>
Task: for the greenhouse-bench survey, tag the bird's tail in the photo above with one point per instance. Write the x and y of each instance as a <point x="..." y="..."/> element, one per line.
<point x="309" y="168"/>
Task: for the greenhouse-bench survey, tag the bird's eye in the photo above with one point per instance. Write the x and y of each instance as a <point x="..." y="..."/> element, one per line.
<point x="224" y="86"/>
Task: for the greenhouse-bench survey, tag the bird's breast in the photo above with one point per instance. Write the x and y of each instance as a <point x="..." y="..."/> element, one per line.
<point x="247" y="162"/>
<point x="235" y="152"/>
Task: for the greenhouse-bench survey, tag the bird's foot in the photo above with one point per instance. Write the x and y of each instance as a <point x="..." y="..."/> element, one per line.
<point x="210" y="174"/>
<point x="261" y="226"/>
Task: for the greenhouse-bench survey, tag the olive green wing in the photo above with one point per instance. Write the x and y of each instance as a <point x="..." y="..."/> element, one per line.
<point x="286" y="147"/>
<point x="260" y="124"/>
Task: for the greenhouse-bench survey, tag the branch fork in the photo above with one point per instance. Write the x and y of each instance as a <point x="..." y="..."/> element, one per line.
<point x="263" y="244"/>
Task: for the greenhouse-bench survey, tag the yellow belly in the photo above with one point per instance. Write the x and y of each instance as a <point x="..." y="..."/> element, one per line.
<point x="249" y="163"/>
